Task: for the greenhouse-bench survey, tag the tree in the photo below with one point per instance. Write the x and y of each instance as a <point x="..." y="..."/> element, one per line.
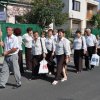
<point x="95" y="21"/>
<point x="44" y="12"/>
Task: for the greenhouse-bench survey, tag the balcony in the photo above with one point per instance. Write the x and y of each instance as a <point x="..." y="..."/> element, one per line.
<point x="91" y="10"/>
<point x="93" y="2"/>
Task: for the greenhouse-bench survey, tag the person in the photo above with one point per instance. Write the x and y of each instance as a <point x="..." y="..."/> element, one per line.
<point x="55" y="35"/>
<point x="80" y="48"/>
<point x="91" y="43"/>
<point x="43" y="35"/>
<point x="17" y="32"/>
<point x="50" y="46"/>
<point x="64" y="72"/>
<point x="62" y="55"/>
<point x="27" y="39"/>
<point x="98" y="44"/>
<point x="39" y="52"/>
<point x="10" y="59"/>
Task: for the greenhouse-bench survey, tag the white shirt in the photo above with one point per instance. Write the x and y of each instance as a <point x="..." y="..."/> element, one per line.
<point x="37" y="48"/>
<point x="79" y="43"/>
<point x="69" y="47"/>
<point x="50" y="45"/>
<point x="20" y="42"/>
<point x="54" y="37"/>
<point x="27" y="40"/>
<point x="43" y="38"/>
<point x="11" y="42"/>
<point x="91" y="40"/>
<point x="62" y="47"/>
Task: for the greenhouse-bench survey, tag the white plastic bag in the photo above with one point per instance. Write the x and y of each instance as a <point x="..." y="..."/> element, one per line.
<point x="43" y="67"/>
<point x="95" y="60"/>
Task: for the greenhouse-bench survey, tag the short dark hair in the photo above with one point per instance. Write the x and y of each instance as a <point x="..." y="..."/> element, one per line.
<point x="35" y="32"/>
<point x="29" y="29"/>
<point x="17" y="31"/>
<point x="50" y="30"/>
<point x="78" y="31"/>
<point x="10" y="27"/>
<point x="61" y="30"/>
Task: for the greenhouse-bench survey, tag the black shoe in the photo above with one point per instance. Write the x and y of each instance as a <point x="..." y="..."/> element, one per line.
<point x="19" y="85"/>
<point x="2" y="87"/>
<point x="92" y="67"/>
<point x="34" y="78"/>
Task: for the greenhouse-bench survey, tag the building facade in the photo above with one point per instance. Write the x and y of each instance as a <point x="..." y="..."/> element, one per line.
<point x="13" y="9"/>
<point x="80" y="11"/>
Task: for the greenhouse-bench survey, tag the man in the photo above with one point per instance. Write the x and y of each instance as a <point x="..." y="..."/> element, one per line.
<point x="10" y="59"/>
<point x="91" y="43"/>
<point x="27" y="38"/>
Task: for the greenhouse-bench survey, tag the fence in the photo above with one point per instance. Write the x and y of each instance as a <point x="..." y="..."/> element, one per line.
<point x="23" y="28"/>
<point x="96" y="31"/>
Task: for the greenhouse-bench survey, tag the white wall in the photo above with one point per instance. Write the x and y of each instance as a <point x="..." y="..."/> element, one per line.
<point x="76" y="14"/>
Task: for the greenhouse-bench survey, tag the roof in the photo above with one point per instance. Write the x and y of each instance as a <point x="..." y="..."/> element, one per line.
<point x="16" y="2"/>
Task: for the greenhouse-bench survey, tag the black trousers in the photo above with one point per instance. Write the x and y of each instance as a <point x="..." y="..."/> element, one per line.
<point x="28" y="58"/>
<point x="78" y="59"/>
<point x="60" y="65"/>
<point x="98" y="51"/>
<point x="20" y="60"/>
<point x="35" y="64"/>
<point x="50" y="61"/>
<point x="91" y="50"/>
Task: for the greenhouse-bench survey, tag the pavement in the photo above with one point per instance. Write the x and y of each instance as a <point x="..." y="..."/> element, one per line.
<point x="81" y="86"/>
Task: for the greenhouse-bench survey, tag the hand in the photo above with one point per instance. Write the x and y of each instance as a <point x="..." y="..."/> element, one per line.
<point x="5" y="53"/>
<point x="85" y="52"/>
<point x="67" y="59"/>
<point x="96" y="50"/>
<point x="52" y="53"/>
<point x="1" y="43"/>
<point x="44" y="55"/>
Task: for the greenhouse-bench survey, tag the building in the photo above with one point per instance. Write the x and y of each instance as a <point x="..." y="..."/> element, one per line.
<point x="80" y="12"/>
<point x="10" y="10"/>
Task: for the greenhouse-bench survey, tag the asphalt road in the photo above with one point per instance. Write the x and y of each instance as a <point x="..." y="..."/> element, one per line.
<point x="82" y="86"/>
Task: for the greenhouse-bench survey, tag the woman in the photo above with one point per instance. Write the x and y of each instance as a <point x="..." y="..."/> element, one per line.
<point x="38" y="53"/>
<point x="27" y="39"/>
<point x="79" y="46"/>
<point x="65" y="64"/>
<point x="17" y="32"/>
<point x="43" y="35"/>
<point x="98" y="45"/>
<point x="50" y="46"/>
<point x="62" y="54"/>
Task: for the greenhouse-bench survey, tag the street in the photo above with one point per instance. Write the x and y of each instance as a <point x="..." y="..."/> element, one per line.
<point x="81" y="86"/>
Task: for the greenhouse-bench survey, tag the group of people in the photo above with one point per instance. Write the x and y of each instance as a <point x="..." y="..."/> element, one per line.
<point x="50" y="46"/>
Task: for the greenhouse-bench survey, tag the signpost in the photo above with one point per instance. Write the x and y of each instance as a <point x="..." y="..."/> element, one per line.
<point x="2" y="16"/>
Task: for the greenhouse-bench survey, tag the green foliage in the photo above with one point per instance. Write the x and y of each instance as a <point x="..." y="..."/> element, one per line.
<point x="44" y="12"/>
<point x="95" y="21"/>
<point x="68" y="33"/>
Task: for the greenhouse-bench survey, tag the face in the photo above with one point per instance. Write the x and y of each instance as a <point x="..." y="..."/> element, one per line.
<point x="30" y="32"/>
<point x="50" y="33"/>
<point x="78" y="35"/>
<point x="9" y="31"/>
<point x="60" y="34"/>
<point x="43" y="35"/>
<point x="88" y="33"/>
<point x="36" y="35"/>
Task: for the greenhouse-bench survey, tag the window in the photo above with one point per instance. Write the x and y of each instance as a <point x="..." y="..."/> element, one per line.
<point x="76" y="5"/>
